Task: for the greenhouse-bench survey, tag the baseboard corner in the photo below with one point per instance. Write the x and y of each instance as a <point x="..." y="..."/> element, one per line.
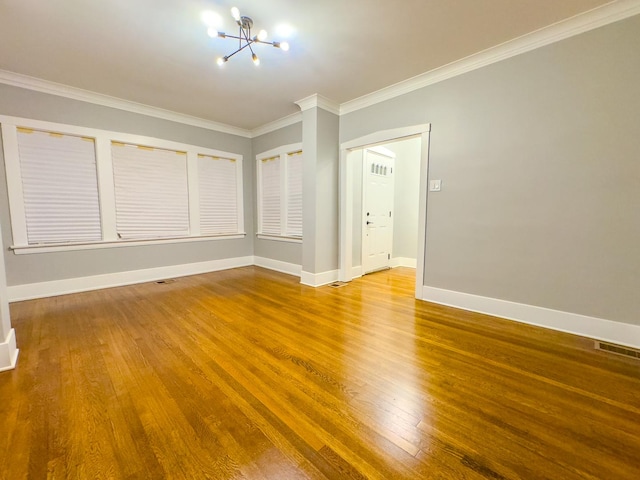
<point x="278" y="266"/>
<point x="9" y="352"/>
<point x="318" y="279"/>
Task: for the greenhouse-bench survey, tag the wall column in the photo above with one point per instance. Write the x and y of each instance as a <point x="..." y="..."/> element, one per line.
<point x="8" y="350"/>
<point x="320" y="139"/>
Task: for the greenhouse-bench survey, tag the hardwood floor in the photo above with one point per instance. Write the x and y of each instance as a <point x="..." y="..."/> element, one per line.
<point x="248" y="374"/>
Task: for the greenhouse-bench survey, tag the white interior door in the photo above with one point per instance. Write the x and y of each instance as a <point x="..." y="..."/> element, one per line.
<point x="377" y="213"/>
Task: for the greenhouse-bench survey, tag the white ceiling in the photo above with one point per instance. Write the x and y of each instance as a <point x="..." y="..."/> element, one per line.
<point x="157" y="52"/>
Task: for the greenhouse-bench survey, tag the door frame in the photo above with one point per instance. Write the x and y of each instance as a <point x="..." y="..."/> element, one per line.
<point x="345" y="254"/>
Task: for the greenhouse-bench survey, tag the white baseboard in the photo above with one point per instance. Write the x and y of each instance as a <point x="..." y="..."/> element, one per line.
<point x="278" y="266"/>
<point x="356" y="272"/>
<point x="30" y="291"/>
<point x="318" y="279"/>
<point x="8" y="352"/>
<point x="592" y="327"/>
<point x="402" y="262"/>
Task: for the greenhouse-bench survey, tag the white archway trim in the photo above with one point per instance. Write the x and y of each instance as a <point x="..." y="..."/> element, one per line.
<point x="345" y="259"/>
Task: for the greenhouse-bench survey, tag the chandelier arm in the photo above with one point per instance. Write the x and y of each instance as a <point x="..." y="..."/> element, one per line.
<point x="263" y="42"/>
<point x="226" y="35"/>
<point x="246" y="32"/>
<point x="238" y="50"/>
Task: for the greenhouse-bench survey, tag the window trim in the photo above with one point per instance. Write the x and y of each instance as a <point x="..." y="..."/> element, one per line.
<point x="279" y="238"/>
<point x="106" y="189"/>
<point x="61" y="247"/>
<point x="283" y="152"/>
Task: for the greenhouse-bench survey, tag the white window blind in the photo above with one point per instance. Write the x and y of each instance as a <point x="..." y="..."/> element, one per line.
<point x="294" y="195"/>
<point x="60" y="187"/>
<point x="270" y="195"/>
<point x="151" y="192"/>
<point x="218" y="187"/>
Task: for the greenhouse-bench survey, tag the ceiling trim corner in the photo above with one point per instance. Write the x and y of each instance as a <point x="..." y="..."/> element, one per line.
<point x="277" y="124"/>
<point x="74" y="93"/>
<point x="317" y="100"/>
<point x="581" y="23"/>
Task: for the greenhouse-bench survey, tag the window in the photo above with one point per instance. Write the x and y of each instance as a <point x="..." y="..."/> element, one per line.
<point x="280" y="192"/>
<point x="152" y="197"/>
<point x="59" y="187"/>
<point x="294" y="194"/>
<point x="73" y="187"/>
<point x="270" y="205"/>
<point x="218" y="187"/>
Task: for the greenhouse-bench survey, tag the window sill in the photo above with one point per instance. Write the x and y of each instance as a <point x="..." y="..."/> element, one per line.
<point x="279" y="238"/>
<point x="63" y="247"/>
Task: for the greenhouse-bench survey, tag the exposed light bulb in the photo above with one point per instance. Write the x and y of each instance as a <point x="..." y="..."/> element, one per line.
<point x="284" y="46"/>
<point x="235" y="13"/>
<point x="212" y="32"/>
<point x="221" y="60"/>
<point x="262" y="35"/>
<point x="284" y="30"/>
<point x="211" y="18"/>
<point x="256" y="60"/>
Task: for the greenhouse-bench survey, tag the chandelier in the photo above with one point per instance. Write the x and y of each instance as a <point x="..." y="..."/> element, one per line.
<point x="245" y="38"/>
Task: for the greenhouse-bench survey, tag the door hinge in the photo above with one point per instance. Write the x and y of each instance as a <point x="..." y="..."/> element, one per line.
<point x="388" y="256"/>
<point x="389" y="213"/>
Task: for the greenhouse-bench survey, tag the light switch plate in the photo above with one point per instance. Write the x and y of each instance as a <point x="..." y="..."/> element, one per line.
<point x="435" y="185"/>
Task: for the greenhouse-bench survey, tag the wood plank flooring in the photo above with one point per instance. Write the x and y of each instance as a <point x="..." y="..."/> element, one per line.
<point x="246" y="374"/>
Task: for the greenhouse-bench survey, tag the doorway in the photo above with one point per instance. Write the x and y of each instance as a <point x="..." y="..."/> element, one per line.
<point x="352" y="155"/>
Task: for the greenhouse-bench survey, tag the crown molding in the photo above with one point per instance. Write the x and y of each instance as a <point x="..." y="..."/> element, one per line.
<point x="52" y="88"/>
<point x="317" y="100"/>
<point x="592" y="19"/>
<point x="277" y="124"/>
<point x="598" y="17"/>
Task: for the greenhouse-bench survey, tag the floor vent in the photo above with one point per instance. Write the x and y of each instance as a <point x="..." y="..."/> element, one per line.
<point x="338" y="284"/>
<point x="618" y="349"/>
<point x="168" y="280"/>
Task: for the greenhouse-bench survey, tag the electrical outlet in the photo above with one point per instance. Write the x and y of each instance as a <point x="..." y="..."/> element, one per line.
<point x="435" y="185"/>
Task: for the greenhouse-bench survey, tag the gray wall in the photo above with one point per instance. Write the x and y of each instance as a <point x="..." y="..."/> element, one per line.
<point x="406" y="197"/>
<point x="274" y="249"/>
<point x="320" y="132"/>
<point x="32" y="268"/>
<point x="538" y="156"/>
